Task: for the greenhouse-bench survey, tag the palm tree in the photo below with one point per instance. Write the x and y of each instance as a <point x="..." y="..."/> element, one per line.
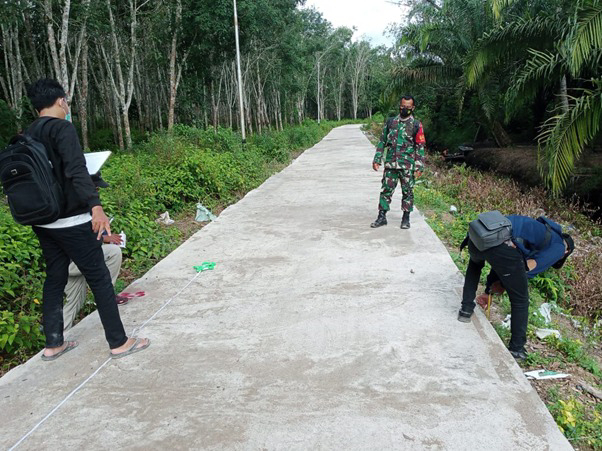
<point x="438" y="48"/>
<point x="561" y="50"/>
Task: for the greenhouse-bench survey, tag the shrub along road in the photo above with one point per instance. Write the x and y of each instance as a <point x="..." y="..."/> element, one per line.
<point x="313" y="331"/>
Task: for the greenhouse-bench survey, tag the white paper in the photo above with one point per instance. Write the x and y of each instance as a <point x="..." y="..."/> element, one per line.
<point x="95" y="160"/>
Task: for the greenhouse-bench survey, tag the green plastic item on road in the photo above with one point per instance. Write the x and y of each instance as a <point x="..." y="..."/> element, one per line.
<point x="204" y="266"/>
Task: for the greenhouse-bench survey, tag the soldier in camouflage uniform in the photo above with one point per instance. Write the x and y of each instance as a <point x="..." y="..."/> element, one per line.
<point x="404" y="142"/>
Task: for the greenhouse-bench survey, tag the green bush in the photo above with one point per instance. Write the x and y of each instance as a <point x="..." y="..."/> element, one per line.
<point x="22" y="332"/>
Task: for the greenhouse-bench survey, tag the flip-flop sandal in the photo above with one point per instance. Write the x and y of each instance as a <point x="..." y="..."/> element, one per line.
<point x="138" y="294"/>
<point x="70" y="345"/>
<point x="132" y="350"/>
<point x="121" y="300"/>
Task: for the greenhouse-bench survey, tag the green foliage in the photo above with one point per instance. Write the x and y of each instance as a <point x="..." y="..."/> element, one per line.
<point x="576" y="353"/>
<point x="536" y="359"/>
<point x="20" y="332"/>
<point x="588" y="34"/>
<point x="20" y="259"/>
<point x="576" y="423"/>
<point x="564" y="136"/>
<point x="550" y="286"/>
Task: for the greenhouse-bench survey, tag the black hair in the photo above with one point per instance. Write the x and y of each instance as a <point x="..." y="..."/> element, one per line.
<point x="571" y="245"/>
<point x="44" y="92"/>
<point x="408" y="97"/>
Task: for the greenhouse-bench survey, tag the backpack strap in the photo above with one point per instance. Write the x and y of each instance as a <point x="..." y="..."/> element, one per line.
<point x="416" y="129"/>
<point x="464" y="243"/>
<point x="38" y="127"/>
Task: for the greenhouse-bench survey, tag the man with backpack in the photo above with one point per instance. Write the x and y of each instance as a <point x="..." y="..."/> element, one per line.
<point x="70" y="223"/>
<point x="517" y="248"/>
<point x="403" y="139"/>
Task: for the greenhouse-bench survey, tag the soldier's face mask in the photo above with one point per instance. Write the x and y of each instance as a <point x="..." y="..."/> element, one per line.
<point x="405" y="111"/>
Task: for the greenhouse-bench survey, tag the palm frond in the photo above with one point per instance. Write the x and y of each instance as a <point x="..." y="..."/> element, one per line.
<point x="540" y="69"/>
<point x="588" y="35"/>
<point x="487" y="103"/>
<point x="430" y="72"/>
<point x="499" y="5"/>
<point x="564" y="136"/>
<point x="509" y="40"/>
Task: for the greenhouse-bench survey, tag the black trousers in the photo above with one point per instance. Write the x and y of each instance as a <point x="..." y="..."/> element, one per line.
<point x="509" y="266"/>
<point x="77" y="244"/>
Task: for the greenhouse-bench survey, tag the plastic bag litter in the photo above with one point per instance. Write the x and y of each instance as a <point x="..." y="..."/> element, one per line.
<point x="203" y="214"/>
<point x="543" y="374"/>
<point x="506" y="322"/>
<point x="165" y="219"/>
<point x="545" y="310"/>
<point x="453" y="209"/>
<point x="543" y="333"/>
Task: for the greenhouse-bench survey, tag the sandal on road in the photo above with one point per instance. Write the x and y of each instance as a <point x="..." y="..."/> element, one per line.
<point x="70" y="345"/>
<point x="134" y="348"/>
<point x="121" y="300"/>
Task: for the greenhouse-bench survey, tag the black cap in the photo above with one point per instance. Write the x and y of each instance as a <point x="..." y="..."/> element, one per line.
<point x="571" y="245"/>
<point x="98" y="180"/>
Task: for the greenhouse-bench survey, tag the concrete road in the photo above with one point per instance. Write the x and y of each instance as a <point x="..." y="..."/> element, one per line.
<point x="314" y="332"/>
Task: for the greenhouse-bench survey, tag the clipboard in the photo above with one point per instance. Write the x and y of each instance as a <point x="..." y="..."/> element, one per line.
<point x="95" y="160"/>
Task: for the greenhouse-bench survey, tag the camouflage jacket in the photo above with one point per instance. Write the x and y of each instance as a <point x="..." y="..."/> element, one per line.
<point x="404" y="144"/>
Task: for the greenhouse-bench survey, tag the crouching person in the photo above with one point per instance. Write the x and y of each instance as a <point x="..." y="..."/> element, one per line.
<point x="520" y="249"/>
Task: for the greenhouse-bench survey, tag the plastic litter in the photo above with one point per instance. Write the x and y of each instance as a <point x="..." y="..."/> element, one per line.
<point x="506" y="322"/>
<point x="165" y="219"/>
<point x="546" y="311"/>
<point x="453" y="209"/>
<point x="543" y="333"/>
<point x="545" y="374"/>
<point x="204" y="266"/>
<point x="123" y="239"/>
<point x="203" y="214"/>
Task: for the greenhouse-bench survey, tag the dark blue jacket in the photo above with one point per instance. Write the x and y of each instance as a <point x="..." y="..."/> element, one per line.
<point x="529" y="235"/>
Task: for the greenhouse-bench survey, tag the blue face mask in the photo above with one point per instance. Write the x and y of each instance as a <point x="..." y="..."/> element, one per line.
<point x="68" y="113"/>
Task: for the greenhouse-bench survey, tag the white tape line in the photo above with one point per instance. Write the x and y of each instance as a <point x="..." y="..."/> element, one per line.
<point x="138" y="329"/>
<point x="59" y="405"/>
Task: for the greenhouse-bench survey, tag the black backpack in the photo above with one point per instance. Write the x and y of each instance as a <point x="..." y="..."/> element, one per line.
<point x="28" y="180"/>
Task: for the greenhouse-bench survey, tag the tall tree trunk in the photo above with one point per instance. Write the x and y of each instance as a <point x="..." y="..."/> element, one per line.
<point x="32" y="46"/>
<point x="173" y="86"/>
<point x="64" y="75"/>
<point x="52" y="39"/>
<point x="12" y="61"/>
<point x="564" y="97"/>
<point x="500" y="135"/>
<point x="83" y="100"/>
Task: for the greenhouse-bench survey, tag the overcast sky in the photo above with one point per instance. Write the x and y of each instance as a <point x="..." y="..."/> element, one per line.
<point x="370" y="17"/>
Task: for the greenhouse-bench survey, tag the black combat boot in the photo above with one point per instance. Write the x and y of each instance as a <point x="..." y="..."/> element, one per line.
<point x="381" y="220"/>
<point x="405" y="220"/>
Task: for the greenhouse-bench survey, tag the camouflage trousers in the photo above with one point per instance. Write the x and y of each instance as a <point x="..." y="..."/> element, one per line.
<point x="389" y="183"/>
